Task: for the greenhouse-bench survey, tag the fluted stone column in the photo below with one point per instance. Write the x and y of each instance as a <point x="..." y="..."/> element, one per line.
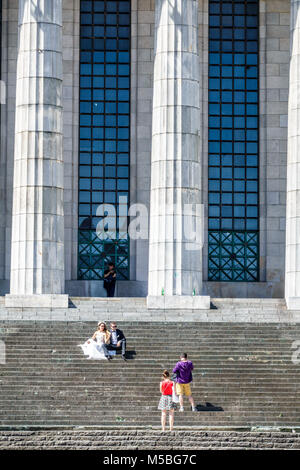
<point x="37" y="249"/>
<point x="175" y="264"/>
<point x="292" y="262"/>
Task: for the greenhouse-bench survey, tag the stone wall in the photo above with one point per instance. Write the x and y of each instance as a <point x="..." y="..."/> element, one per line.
<point x="147" y="440"/>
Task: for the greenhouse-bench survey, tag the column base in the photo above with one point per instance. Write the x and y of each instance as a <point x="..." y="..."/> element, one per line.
<point x="192" y="302"/>
<point x="293" y="303"/>
<point x="37" y="301"/>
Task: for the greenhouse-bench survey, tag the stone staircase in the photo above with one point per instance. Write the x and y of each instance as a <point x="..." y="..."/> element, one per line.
<point x="244" y="375"/>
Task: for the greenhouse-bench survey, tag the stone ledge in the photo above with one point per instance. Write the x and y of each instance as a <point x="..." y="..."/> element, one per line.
<point x="171" y="302"/>
<point x="37" y="301"/>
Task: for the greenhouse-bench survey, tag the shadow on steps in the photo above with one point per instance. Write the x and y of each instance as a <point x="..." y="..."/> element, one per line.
<point x="208" y="407"/>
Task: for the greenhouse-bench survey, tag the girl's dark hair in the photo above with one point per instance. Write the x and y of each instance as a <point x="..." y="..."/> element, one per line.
<point x="165" y="374"/>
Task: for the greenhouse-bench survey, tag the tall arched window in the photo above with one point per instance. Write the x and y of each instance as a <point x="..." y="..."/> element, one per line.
<point x="233" y="222"/>
<point x="104" y="135"/>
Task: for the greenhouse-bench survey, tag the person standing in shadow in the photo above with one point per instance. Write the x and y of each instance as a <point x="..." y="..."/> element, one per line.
<point x="110" y="277"/>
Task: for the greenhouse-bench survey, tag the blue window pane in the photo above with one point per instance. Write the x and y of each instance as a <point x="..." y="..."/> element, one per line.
<point x="214" y="211"/>
<point x="252" y="224"/>
<point x="110" y="159"/>
<point x="110" y="133"/>
<point x="214" y="20"/>
<point x="214" y="173"/>
<point x="226" y="173"/>
<point x="239" y="71"/>
<point x="214" y="83"/>
<point x="85" y="183"/>
<point x="112" y="6"/>
<point x="226" y="122"/>
<point x="123" y="108"/>
<point x="98" y="95"/>
<point x="214" y="59"/>
<point x="239" y="59"/>
<point x="214" y="121"/>
<point x="239" y="173"/>
<point x="85" y="133"/>
<point x="85" y="120"/>
<point x="226" y="160"/>
<point x="226" y="71"/>
<point x="99" y="31"/>
<point x="111" y="69"/>
<point x="85" y="69"/>
<point x="214" y="198"/>
<point x="252" y="147"/>
<point x="252" y="160"/>
<point x="239" y="34"/>
<point x="214" y="109"/>
<point x="252" y="109"/>
<point x="98" y="69"/>
<point x="226" y="185"/>
<point x="124" y="44"/>
<point x="239" y="160"/>
<point x="252" y="211"/>
<point x="227" y="96"/>
<point x="226" y="147"/>
<point x="239" y="185"/>
<point x="239" y="147"/>
<point x="239" y="84"/>
<point x="226" y="134"/>
<point x="239" y="224"/>
<point x="214" y="71"/>
<point x="226" y="198"/>
<point x="214" y="185"/>
<point x="97" y="158"/>
<point x="252" y="97"/>
<point x="239" y="122"/>
<point x="252" y="199"/>
<point x="226" y="224"/>
<point x="226" y="109"/>
<point x="239" y="198"/>
<point x="239" y="211"/>
<point x="214" y="224"/>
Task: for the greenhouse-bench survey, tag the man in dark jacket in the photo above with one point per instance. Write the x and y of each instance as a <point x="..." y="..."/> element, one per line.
<point x="117" y="340"/>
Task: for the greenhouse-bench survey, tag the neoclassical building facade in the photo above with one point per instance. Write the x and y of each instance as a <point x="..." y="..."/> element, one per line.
<point x="171" y="105"/>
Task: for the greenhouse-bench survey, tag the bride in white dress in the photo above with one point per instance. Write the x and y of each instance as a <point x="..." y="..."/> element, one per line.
<point x="94" y="346"/>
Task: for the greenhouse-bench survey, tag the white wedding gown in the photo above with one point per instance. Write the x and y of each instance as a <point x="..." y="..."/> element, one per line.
<point x="94" y="349"/>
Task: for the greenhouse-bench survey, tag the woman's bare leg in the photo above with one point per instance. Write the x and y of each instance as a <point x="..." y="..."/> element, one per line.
<point x="163" y="420"/>
<point x="171" y="419"/>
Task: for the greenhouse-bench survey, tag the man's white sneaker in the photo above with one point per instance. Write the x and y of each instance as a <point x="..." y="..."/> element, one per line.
<point x="181" y="409"/>
<point x="194" y="408"/>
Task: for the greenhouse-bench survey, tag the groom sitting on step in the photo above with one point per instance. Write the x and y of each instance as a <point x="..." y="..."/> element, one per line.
<point x="117" y="340"/>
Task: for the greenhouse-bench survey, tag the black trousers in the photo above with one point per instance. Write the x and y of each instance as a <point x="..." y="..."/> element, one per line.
<point x="114" y="347"/>
<point x="110" y="289"/>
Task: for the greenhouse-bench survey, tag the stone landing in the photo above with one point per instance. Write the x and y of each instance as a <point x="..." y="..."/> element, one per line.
<point x="135" y="309"/>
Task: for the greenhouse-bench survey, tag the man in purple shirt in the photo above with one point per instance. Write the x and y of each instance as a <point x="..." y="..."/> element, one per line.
<point x="183" y="370"/>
